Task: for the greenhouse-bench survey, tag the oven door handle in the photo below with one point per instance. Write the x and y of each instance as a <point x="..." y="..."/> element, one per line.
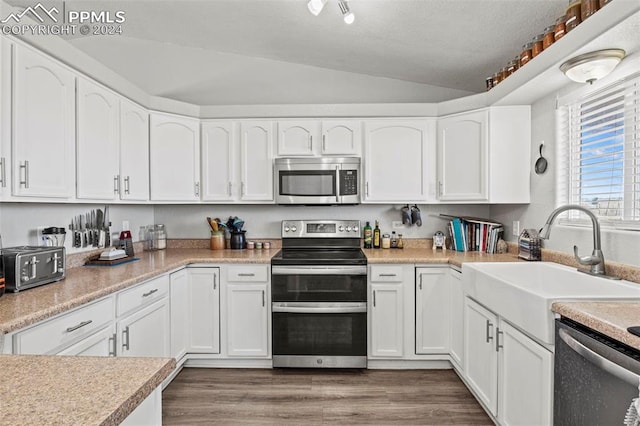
<point x="598" y="360"/>
<point x="319" y="270"/>
<point x="319" y="308"/>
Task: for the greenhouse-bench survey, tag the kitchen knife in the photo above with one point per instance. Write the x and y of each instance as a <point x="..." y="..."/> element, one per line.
<point x="107" y="227"/>
<point x="100" y="230"/>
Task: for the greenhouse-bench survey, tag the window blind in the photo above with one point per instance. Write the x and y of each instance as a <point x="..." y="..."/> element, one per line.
<point x="599" y="154"/>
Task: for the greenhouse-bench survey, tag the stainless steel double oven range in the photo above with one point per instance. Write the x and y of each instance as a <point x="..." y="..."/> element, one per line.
<point x="319" y="296"/>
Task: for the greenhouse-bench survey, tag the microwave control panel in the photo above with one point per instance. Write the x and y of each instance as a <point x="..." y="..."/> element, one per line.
<point x="348" y="182"/>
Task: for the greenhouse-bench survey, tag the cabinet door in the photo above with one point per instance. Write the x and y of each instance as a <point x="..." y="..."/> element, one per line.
<point x="44" y="127"/>
<point x="174" y="157"/>
<point x="341" y="137"/>
<point x="480" y="356"/>
<point x="394" y="161"/>
<point x="462" y="157"/>
<point x="386" y="320"/>
<point x="432" y="311"/>
<point x="5" y="116"/>
<point x="134" y="151"/>
<point x="102" y="343"/>
<point x="179" y="302"/>
<point x="457" y="318"/>
<point x="146" y="332"/>
<point x="256" y="161"/>
<point x="204" y="311"/>
<point x="97" y="147"/>
<point x="247" y="320"/>
<point x="297" y="137"/>
<point x="526" y="379"/>
<point x="218" y="160"/>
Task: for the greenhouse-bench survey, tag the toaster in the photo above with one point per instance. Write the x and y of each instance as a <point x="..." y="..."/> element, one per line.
<point x="30" y="266"/>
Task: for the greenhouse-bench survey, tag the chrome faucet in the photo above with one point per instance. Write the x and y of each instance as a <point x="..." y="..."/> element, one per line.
<point x="596" y="260"/>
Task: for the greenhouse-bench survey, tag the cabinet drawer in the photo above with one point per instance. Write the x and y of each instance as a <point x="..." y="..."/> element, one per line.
<point x="142" y="294"/>
<point x="248" y="273"/>
<point x="53" y="335"/>
<point x="385" y="274"/>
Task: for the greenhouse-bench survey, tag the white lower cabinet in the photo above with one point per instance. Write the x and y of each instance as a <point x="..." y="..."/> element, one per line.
<point x="511" y="374"/>
<point x="433" y="314"/>
<point x="179" y="302"/>
<point x="146" y="332"/>
<point x="203" y="313"/>
<point x="456" y="313"/>
<point x="247" y="313"/>
<point x="148" y="413"/>
<point x="101" y="343"/>
<point x="386" y="311"/>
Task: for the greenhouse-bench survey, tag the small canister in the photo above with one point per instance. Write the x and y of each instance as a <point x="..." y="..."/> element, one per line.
<point x="266" y="245"/>
<point x="536" y="47"/>
<point x="560" y="28"/>
<point x="525" y="56"/>
<point x="489" y="82"/>
<point x="574" y="15"/>
<point x="496" y="79"/>
<point x="250" y="245"/>
<point x="258" y="245"/>
<point x="386" y="241"/>
<point x="588" y="8"/>
<point x="513" y="66"/>
<point x="548" y="38"/>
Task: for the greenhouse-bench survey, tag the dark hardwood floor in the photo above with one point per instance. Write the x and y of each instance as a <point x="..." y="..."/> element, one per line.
<point x="315" y="397"/>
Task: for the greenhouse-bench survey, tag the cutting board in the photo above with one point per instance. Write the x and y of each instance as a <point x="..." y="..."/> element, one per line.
<point x="96" y="261"/>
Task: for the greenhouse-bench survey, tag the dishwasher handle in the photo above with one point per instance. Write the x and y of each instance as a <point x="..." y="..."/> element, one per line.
<point x="598" y="360"/>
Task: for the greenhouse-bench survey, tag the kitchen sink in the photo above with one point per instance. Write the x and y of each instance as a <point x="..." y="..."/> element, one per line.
<point x="522" y="293"/>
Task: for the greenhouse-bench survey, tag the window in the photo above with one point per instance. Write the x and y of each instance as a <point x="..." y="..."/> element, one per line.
<point x="599" y="154"/>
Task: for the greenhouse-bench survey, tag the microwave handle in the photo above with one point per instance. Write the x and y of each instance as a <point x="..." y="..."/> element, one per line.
<point x="337" y="183"/>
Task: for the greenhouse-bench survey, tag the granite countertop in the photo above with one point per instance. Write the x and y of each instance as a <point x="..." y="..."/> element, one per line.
<point x="66" y="390"/>
<point x="428" y="255"/>
<point x="609" y="318"/>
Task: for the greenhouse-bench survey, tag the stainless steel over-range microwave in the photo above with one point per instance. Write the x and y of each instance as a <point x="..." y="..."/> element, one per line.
<point x="317" y="180"/>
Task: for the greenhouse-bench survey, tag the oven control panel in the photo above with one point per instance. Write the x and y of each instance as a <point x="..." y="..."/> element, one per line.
<point x="321" y="229"/>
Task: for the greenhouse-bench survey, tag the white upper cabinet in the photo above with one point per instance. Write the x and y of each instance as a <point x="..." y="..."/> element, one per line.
<point x="44" y="126"/>
<point x="174" y="158"/>
<point x="483" y="156"/>
<point x="98" y="142"/>
<point x="134" y="152"/>
<point x="5" y="116"/>
<point x="462" y="157"/>
<point x="256" y="161"/>
<point x="397" y="164"/>
<point x="298" y="137"/>
<point x="341" y="137"/>
<point x="218" y="161"/>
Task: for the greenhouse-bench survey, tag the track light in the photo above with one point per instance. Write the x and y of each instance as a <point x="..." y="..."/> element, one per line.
<point x="315" y="6"/>
<point x="347" y="14"/>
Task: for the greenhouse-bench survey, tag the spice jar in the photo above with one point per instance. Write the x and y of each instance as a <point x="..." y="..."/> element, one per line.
<point x="217" y="240"/>
<point x="386" y="241"/>
<point x="588" y="8"/>
<point x="250" y="245"/>
<point x="258" y="245"/>
<point x="601" y="3"/>
<point x="536" y="49"/>
<point x="548" y="38"/>
<point x="489" y="82"/>
<point x="560" y="29"/>
<point x="400" y="241"/>
<point x="496" y="79"/>
<point x="573" y="15"/>
<point x="525" y="56"/>
<point x="503" y="73"/>
<point x="512" y="66"/>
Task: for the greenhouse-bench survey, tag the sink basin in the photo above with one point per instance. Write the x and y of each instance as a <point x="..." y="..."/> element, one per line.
<point x="522" y="292"/>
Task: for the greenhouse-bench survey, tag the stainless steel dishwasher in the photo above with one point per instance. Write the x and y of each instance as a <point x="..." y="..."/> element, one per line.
<point x="595" y="377"/>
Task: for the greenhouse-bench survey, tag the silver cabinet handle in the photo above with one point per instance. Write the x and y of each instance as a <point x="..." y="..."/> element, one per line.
<point x="126" y="185"/>
<point x="324" y="143"/>
<point x="241" y="188"/>
<point x="488" y="329"/>
<point x="150" y="292"/>
<point x="215" y="281"/>
<point x="421" y="282"/>
<point x="125" y="338"/>
<point x="197" y="185"/>
<point x="246" y="274"/>
<point x="498" y="345"/>
<point x="598" y="360"/>
<point x="116" y="184"/>
<point x="82" y="324"/>
<point x="263" y="301"/>
<point x="374" y="298"/>
<point x="112" y="339"/>
<point x="387" y="275"/>
<point x="25" y="166"/>
<point x="440" y="188"/>
<point x="229" y="190"/>
<point x="366" y="189"/>
<point x="3" y="173"/>
<point x="311" y="142"/>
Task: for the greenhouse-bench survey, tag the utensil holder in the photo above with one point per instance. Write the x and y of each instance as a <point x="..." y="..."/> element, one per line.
<point x="237" y="240"/>
<point x="217" y="240"/>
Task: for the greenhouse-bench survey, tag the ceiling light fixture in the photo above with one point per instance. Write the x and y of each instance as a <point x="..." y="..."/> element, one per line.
<point x="592" y="66"/>
<point x="347" y="14"/>
<point x="316" y="6"/>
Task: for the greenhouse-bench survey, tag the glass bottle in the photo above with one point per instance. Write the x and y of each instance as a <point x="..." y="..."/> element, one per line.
<point x="376" y="236"/>
<point x="400" y="242"/>
<point x="394" y="240"/>
<point x="368" y="236"/>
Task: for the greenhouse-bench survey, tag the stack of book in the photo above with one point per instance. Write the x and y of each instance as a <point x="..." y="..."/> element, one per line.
<point x="474" y="234"/>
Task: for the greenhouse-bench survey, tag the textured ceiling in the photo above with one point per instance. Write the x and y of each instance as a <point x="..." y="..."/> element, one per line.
<point x="275" y="51"/>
